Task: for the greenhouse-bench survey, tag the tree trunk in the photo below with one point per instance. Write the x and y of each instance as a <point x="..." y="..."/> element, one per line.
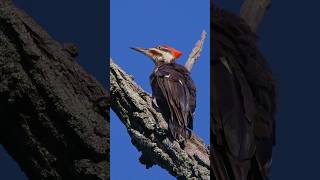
<point x="149" y="133"/>
<point x="54" y="115"/>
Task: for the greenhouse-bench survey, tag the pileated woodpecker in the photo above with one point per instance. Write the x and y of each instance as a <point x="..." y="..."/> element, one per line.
<point x="173" y="89"/>
<point x="243" y="102"/>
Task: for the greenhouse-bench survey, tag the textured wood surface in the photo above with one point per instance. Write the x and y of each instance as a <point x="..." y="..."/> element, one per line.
<point x="53" y="114"/>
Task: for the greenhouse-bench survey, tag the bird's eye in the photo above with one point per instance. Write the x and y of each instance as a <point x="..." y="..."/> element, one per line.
<point x="163" y="48"/>
<point x="154" y="52"/>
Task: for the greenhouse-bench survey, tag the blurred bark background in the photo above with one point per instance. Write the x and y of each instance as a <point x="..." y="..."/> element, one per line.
<point x="54" y="115"/>
<point x="253" y="11"/>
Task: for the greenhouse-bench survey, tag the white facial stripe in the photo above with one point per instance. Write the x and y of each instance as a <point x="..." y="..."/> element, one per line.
<point x="166" y="56"/>
<point x="157" y="50"/>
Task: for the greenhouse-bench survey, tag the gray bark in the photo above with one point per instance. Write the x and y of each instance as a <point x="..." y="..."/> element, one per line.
<point x="253" y="11"/>
<point x="149" y="134"/>
<point x="54" y="119"/>
<point x="195" y="54"/>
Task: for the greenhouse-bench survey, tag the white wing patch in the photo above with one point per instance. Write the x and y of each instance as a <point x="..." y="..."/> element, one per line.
<point x="155" y="102"/>
<point x="226" y="64"/>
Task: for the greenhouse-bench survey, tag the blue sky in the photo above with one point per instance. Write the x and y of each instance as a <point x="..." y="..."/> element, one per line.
<point x="146" y="23"/>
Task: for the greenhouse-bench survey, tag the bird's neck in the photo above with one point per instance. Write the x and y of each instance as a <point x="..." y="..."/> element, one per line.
<point x="161" y="63"/>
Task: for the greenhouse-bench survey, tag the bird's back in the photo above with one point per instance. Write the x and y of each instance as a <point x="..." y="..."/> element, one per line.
<point x="175" y="94"/>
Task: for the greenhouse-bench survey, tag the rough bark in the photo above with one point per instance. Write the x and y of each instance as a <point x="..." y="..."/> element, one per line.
<point x="54" y="115"/>
<point x="148" y="131"/>
<point x="253" y="11"/>
<point x="195" y="53"/>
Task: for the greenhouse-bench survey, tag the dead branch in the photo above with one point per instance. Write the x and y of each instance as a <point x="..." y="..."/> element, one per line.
<point x="195" y="54"/>
<point x="148" y="131"/>
<point x="253" y="11"/>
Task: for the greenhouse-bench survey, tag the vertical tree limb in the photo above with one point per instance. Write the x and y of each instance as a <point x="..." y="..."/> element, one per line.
<point x="195" y="54"/>
<point x="253" y="11"/>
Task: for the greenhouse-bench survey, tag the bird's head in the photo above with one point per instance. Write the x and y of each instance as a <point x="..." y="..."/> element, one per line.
<point x="160" y="54"/>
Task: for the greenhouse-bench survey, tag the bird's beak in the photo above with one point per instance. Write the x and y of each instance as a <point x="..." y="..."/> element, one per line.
<point x="142" y="50"/>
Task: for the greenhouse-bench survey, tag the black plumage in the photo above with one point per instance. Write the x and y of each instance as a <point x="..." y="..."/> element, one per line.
<point x="175" y="95"/>
<point x="243" y="102"/>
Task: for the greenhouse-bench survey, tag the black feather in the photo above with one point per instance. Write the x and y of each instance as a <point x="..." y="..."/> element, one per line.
<point x="243" y="101"/>
<point x="175" y="94"/>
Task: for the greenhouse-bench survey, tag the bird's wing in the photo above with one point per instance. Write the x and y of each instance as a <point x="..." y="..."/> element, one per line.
<point x="173" y="94"/>
<point x="230" y="114"/>
<point x="192" y="100"/>
<point x="256" y="89"/>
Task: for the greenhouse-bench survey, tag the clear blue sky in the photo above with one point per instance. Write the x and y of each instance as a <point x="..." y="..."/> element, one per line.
<point x="81" y="22"/>
<point x="148" y="23"/>
<point x="289" y="38"/>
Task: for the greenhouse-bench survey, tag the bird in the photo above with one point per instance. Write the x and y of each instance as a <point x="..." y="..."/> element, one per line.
<point x="243" y="102"/>
<point x="173" y="90"/>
